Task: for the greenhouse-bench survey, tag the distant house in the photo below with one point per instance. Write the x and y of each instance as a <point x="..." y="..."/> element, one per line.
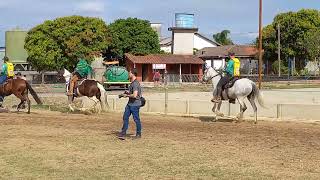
<point x="174" y="65"/>
<point x="215" y="57"/>
<point x="199" y="41"/>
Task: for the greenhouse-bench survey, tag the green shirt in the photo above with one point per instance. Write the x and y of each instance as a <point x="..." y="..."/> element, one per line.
<point x="230" y="67"/>
<point x="4" y="69"/>
<point x="83" y="68"/>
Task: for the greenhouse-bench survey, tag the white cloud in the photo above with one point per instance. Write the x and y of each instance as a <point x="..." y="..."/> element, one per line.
<point x="91" y="7"/>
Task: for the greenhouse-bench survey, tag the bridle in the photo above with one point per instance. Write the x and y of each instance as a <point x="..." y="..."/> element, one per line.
<point x="218" y="74"/>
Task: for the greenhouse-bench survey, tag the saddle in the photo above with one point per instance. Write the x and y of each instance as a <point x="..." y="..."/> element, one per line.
<point x="231" y="83"/>
<point x="225" y="89"/>
<point x="77" y="84"/>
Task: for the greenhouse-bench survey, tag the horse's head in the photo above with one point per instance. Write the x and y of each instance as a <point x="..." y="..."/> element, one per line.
<point x="209" y="73"/>
<point x="67" y="75"/>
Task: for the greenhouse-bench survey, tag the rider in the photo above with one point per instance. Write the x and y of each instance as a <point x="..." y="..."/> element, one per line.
<point x="7" y="72"/>
<point x="232" y="71"/>
<point x="83" y="69"/>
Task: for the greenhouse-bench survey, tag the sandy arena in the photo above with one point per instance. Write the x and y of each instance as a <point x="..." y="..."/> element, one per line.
<point x="53" y="145"/>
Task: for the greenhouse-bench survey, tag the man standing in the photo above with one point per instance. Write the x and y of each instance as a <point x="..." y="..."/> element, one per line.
<point x="156" y="77"/>
<point x="133" y="106"/>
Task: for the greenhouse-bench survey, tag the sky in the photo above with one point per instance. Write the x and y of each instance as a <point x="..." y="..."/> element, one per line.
<point x="211" y="16"/>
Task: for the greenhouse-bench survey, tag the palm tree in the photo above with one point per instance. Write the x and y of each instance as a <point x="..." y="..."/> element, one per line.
<point x="223" y="38"/>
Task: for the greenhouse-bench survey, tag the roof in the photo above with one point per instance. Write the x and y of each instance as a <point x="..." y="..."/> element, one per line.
<point x="207" y="39"/>
<point x="168" y="40"/>
<point x="222" y="51"/>
<point x="164" y="59"/>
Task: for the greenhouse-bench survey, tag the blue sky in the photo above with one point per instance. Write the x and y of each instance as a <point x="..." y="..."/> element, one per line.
<point x="211" y="16"/>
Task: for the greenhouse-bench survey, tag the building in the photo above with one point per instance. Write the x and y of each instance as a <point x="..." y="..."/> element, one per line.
<point x="215" y="57"/>
<point x="174" y="65"/>
<point x="15" y="41"/>
<point x="199" y="42"/>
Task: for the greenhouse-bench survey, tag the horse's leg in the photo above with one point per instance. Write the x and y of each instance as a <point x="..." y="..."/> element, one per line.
<point x="243" y="108"/>
<point x="22" y="100"/>
<point x="218" y="110"/>
<point x="96" y="100"/>
<point x="254" y="107"/>
<point x="27" y="99"/>
<point x="70" y="99"/>
<point x="98" y="96"/>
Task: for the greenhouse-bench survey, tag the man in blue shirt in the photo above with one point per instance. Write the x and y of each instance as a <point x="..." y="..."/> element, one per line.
<point x="133" y="106"/>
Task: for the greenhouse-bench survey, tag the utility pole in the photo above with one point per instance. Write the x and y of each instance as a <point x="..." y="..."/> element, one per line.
<point x="260" y="42"/>
<point x="279" y="46"/>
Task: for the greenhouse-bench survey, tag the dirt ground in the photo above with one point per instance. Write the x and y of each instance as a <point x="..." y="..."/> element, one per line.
<point x="53" y="145"/>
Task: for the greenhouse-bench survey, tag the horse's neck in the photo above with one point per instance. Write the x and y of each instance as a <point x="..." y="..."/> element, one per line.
<point x="215" y="81"/>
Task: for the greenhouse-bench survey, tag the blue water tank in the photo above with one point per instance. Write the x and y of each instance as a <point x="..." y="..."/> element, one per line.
<point x="184" y="20"/>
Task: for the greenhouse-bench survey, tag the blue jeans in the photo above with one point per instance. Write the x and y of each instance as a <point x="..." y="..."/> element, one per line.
<point x="3" y="79"/>
<point x="134" y="110"/>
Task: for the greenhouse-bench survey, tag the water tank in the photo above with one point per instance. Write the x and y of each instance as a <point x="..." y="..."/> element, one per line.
<point x="15" y="46"/>
<point x="184" y="20"/>
<point x="116" y="74"/>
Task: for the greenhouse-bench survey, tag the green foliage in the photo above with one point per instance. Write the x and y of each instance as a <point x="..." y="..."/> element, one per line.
<point x="297" y="29"/>
<point x="223" y="38"/>
<point x="283" y="68"/>
<point x="311" y="42"/>
<point x="60" y="43"/>
<point x="134" y="36"/>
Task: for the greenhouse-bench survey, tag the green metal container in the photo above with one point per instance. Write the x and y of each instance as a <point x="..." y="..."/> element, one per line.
<point x="116" y="74"/>
<point x="15" y="40"/>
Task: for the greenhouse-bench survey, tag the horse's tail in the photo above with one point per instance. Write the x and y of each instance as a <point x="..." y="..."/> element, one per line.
<point x="34" y="94"/>
<point x="104" y="97"/>
<point x="258" y="95"/>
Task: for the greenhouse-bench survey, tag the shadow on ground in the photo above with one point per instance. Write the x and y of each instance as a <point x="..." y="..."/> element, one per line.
<point x="212" y="119"/>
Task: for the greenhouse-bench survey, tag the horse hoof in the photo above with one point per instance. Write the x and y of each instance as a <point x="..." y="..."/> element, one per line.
<point x="220" y="114"/>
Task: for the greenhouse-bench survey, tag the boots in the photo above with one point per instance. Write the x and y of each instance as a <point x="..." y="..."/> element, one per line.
<point x="216" y="99"/>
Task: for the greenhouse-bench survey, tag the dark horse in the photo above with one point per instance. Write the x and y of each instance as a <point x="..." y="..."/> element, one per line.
<point x="19" y="88"/>
<point x="89" y="88"/>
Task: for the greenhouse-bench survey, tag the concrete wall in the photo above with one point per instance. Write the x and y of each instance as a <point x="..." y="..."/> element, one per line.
<point x="203" y="108"/>
<point x="183" y="42"/>
<point x="99" y="69"/>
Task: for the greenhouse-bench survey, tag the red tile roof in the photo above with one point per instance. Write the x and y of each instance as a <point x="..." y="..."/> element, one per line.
<point x="222" y="51"/>
<point x="164" y="59"/>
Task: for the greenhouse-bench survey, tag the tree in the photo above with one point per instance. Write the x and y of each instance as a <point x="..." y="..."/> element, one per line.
<point x="295" y="28"/>
<point x="223" y="38"/>
<point x="134" y="36"/>
<point x="312" y="43"/>
<point x="59" y="43"/>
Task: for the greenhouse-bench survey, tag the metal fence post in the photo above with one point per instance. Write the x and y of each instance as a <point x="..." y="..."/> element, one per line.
<point x="188" y="106"/>
<point x="166" y="94"/>
<point x="114" y="104"/>
<point x="279" y="111"/>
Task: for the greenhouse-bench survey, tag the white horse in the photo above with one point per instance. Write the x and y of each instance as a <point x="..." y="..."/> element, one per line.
<point x="89" y="88"/>
<point x="242" y="88"/>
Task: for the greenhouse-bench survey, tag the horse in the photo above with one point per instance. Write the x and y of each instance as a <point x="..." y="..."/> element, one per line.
<point x="87" y="87"/>
<point x="19" y="88"/>
<point x="241" y="89"/>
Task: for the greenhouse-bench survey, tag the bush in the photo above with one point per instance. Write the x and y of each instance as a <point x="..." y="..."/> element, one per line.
<point x="275" y="67"/>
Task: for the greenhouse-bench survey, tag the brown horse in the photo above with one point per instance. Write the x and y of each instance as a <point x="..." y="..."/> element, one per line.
<point x="89" y="88"/>
<point x="19" y="88"/>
